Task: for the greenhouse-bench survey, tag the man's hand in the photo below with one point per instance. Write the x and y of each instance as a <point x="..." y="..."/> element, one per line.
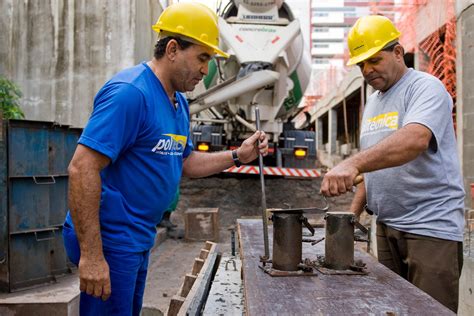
<point x="249" y="150"/>
<point x="339" y="180"/>
<point x="94" y="277"/>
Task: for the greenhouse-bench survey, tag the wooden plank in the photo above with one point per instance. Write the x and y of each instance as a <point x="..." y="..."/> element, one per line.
<point x="197" y="266"/>
<point x="204" y="253"/>
<point x="209" y="245"/>
<point x="175" y="305"/>
<point x="195" y="286"/>
<point x="378" y="293"/>
<point x="196" y="296"/>
<point x="189" y="280"/>
<point x="226" y="294"/>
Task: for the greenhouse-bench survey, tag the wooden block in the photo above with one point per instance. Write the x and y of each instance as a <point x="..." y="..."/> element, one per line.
<point x="201" y="224"/>
<point x="187" y="284"/>
<point x="175" y="305"/>
<point x="198" y="263"/>
<point x="209" y="245"/>
<point x="204" y="253"/>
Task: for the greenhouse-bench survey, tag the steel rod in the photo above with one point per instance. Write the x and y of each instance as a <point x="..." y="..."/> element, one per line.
<point x="264" y="199"/>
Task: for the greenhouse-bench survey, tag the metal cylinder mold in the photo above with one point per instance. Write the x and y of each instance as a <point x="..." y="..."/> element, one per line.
<point x="339" y="247"/>
<point x="287" y="241"/>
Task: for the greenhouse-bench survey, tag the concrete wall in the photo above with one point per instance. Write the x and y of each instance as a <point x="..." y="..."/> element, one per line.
<point x="60" y="52"/>
<point x="465" y="130"/>
<point x="431" y="16"/>
<point x="466" y="283"/>
<point x="465" y="93"/>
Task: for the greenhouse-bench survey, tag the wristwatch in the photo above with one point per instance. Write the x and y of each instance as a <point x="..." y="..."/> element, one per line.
<point x="235" y="158"/>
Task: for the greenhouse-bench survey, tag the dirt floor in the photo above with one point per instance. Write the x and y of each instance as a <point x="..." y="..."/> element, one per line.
<point x="238" y="197"/>
<point x="235" y="197"/>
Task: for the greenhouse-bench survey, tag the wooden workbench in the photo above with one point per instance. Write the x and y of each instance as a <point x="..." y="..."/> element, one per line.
<point x="381" y="292"/>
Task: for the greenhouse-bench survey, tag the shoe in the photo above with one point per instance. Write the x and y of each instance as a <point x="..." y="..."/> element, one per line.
<point x="166" y="223"/>
<point x="175" y="233"/>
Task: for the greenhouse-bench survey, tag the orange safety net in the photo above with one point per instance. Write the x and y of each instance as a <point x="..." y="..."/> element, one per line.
<point x="429" y="28"/>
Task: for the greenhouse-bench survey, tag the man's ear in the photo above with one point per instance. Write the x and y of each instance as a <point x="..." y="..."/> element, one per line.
<point x="399" y="51"/>
<point x="171" y="49"/>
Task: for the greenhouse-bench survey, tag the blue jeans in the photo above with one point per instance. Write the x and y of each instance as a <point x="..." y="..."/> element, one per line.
<point x="127" y="276"/>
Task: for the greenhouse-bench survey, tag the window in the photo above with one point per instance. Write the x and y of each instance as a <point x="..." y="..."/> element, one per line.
<point x="321" y="61"/>
<point x="321" y="29"/>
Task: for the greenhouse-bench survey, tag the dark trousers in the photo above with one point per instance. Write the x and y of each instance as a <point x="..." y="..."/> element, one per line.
<point x="128" y="272"/>
<point x="431" y="264"/>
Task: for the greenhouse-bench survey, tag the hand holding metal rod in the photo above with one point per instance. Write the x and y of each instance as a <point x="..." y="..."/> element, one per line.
<point x="357" y="180"/>
<point x="266" y="256"/>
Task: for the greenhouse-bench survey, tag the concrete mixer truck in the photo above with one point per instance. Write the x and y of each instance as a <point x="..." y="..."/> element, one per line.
<point x="269" y="67"/>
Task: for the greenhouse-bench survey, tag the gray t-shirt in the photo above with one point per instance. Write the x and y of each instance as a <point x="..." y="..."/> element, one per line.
<point x="424" y="196"/>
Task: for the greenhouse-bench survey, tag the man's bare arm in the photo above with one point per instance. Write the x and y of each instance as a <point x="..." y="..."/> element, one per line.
<point x="397" y="149"/>
<point x="84" y="200"/>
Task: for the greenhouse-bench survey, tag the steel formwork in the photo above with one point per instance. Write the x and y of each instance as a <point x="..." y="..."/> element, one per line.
<point x="34" y="157"/>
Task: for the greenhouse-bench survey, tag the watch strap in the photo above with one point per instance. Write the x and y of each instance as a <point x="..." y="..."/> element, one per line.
<point x="235" y="158"/>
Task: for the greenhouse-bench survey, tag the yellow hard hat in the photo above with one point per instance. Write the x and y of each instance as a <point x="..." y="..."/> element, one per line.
<point x="193" y="20"/>
<point x="368" y="36"/>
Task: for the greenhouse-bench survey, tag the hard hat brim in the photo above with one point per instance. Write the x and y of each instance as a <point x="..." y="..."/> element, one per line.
<point x="218" y="51"/>
<point x="359" y="58"/>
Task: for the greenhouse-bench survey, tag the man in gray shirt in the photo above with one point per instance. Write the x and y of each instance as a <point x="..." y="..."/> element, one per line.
<point x="408" y="154"/>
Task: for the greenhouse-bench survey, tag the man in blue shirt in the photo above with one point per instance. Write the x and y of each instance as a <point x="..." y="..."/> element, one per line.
<point x="130" y="158"/>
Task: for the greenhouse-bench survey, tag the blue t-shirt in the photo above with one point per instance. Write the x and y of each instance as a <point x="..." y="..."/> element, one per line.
<point x="146" y="137"/>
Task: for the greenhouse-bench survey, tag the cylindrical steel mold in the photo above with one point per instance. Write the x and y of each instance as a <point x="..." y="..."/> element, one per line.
<point x="339" y="247"/>
<point x="287" y="241"/>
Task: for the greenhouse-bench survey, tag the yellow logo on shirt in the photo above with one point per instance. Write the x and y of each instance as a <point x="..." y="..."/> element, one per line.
<point x="380" y="122"/>
<point x="180" y="139"/>
<point x="170" y="144"/>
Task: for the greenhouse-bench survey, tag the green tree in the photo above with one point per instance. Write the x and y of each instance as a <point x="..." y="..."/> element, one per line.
<point x="10" y="95"/>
